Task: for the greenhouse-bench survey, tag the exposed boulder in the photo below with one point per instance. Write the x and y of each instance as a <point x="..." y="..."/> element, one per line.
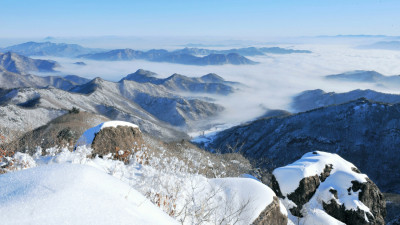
<point x="118" y="138"/>
<point x="273" y="214"/>
<point x="324" y="187"/>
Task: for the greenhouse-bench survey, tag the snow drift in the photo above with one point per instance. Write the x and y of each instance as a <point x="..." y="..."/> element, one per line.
<point x="73" y="194"/>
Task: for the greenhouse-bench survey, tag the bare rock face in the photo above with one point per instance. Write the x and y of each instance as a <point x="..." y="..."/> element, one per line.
<point x="272" y="215"/>
<point x="337" y="186"/>
<point x="308" y="186"/>
<point x="305" y="191"/>
<point x="370" y="196"/>
<point x="120" y="141"/>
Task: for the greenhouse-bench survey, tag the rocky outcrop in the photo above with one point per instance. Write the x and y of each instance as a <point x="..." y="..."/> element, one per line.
<point x="324" y="180"/>
<point x="116" y="140"/>
<point x="370" y="196"/>
<point x="272" y="215"/>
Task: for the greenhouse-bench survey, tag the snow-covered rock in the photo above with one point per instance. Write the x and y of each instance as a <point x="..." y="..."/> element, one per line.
<point x="73" y="194"/>
<point x="89" y="135"/>
<point x="116" y="137"/>
<point x="323" y="188"/>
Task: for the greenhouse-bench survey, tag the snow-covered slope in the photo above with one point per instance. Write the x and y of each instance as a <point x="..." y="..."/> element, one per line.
<point x="106" y="100"/>
<point x="21" y="64"/>
<point x="73" y="194"/>
<point x="106" y="191"/>
<point x="323" y="188"/>
<point x="154" y="108"/>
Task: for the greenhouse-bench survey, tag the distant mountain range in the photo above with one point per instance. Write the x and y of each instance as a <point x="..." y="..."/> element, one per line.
<point x="153" y="103"/>
<point x="364" y="132"/>
<point x="154" y="108"/>
<point x="49" y="49"/>
<point x="313" y="99"/>
<point x="368" y="77"/>
<point x="170" y="57"/>
<point x="20" y="64"/>
<point x="250" y="51"/>
<point x="10" y="80"/>
<point x="15" y="72"/>
<point x="210" y="83"/>
<point x="187" y="56"/>
<point x="385" y="45"/>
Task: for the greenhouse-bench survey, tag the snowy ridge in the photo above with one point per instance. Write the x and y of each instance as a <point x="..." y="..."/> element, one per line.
<point x="88" y="136"/>
<point x="67" y="193"/>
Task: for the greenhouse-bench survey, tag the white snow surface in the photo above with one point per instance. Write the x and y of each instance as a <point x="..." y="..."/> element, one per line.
<point x="341" y="175"/>
<point x="73" y="194"/>
<point x="88" y="136"/>
<point x="66" y="187"/>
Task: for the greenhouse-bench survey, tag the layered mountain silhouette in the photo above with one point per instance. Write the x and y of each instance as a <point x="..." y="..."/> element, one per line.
<point x="250" y="51"/>
<point x="385" y="45"/>
<point x="187" y="56"/>
<point x="365" y="76"/>
<point x="169" y="57"/>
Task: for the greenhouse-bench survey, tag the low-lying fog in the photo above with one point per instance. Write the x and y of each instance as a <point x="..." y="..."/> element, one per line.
<point x="271" y="84"/>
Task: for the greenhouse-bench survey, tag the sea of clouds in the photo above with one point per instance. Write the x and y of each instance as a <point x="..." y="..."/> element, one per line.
<point x="271" y="84"/>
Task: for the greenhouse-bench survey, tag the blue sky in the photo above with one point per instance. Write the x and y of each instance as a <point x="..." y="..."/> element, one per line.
<point x="234" y="18"/>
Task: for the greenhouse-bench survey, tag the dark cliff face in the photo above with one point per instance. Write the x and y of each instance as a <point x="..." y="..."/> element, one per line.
<point x="363" y="132"/>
